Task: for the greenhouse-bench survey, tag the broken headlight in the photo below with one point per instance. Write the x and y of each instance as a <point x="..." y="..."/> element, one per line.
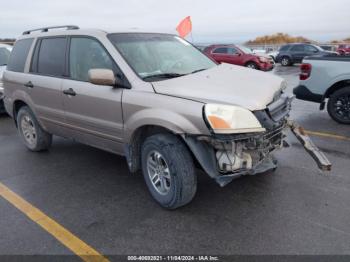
<point x="225" y="119"/>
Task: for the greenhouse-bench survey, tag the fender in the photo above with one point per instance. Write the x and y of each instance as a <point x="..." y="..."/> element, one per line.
<point x="167" y="119"/>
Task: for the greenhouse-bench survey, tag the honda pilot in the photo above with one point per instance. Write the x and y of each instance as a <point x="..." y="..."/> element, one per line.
<point x="153" y="98"/>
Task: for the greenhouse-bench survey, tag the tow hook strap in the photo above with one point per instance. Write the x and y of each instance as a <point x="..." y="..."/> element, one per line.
<point x="320" y="158"/>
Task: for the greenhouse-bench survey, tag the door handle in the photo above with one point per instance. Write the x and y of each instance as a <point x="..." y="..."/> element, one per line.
<point x="69" y="92"/>
<point x="29" y="84"/>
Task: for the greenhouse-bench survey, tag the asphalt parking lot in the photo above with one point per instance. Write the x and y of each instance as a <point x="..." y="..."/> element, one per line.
<point x="295" y="210"/>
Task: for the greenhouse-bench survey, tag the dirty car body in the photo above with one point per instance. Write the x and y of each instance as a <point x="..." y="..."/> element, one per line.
<point x="156" y="99"/>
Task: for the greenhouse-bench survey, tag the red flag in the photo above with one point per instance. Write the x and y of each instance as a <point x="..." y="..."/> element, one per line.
<point x="185" y="27"/>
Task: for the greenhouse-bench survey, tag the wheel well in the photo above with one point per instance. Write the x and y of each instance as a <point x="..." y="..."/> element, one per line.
<point x="133" y="152"/>
<point x="336" y="87"/>
<point x="250" y="62"/>
<point x="285" y="56"/>
<point x="16" y="107"/>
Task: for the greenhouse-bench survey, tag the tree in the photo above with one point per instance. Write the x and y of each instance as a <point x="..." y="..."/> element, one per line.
<point x="279" y="38"/>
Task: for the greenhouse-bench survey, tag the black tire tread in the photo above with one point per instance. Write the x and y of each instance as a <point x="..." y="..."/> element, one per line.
<point x="179" y="159"/>
<point x="251" y="62"/>
<point x="344" y="90"/>
<point x="44" y="139"/>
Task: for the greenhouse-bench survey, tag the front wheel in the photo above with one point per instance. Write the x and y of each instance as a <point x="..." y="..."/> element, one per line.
<point x="252" y="65"/>
<point x="338" y="105"/>
<point x="168" y="170"/>
<point x="32" y="134"/>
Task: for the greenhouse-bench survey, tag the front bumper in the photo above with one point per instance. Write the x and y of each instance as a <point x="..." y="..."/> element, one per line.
<point x="226" y="157"/>
<point x="266" y="66"/>
<point x="229" y="156"/>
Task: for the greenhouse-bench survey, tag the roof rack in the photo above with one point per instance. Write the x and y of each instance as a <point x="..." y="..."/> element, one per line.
<point x="46" y="29"/>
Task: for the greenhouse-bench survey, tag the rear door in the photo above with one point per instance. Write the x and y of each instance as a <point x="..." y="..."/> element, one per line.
<point x="93" y="112"/>
<point x="298" y="52"/>
<point x="34" y="76"/>
<point x="45" y="81"/>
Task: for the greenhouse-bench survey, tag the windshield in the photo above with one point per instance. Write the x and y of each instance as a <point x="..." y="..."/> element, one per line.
<point x="319" y="48"/>
<point x="245" y="49"/>
<point x="157" y="57"/>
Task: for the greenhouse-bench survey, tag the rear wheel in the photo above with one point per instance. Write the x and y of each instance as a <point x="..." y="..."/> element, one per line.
<point x="168" y="170"/>
<point x="338" y="105"/>
<point x="33" y="136"/>
<point x="252" y="65"/>
<point x="285" y="61"/>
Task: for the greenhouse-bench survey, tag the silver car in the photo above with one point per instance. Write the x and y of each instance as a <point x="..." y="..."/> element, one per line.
<point x="5" y="51"/>
<point x="153" y="98"/>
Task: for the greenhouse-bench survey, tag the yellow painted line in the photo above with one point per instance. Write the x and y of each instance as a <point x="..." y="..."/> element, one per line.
<point x="77" y="246"/>
<point x="328" y="135"/>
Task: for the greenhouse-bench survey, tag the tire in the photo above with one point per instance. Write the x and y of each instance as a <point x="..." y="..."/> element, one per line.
<point x="338" y="105"/>
<point x="252" y="65"/>
<point x="179" y="177"/>
<point x="32" y="134"/>
<point x="286" y="61"/>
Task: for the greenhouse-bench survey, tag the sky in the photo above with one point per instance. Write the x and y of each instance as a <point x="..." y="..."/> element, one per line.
<point x="213" y="21"/>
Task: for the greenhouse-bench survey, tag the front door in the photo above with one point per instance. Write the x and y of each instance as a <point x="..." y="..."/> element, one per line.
<point x="235" y="56"/>
<point x="93" y="112"/>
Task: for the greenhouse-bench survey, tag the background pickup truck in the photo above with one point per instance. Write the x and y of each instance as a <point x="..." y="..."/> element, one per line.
<point x="324" y="78"/>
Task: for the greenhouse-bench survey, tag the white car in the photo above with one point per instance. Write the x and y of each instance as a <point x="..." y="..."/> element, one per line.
<point x="268" y="53"/>
<point x="5" y="51"/>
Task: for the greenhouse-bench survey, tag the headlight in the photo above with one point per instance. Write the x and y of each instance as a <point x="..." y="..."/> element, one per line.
<point x="224" y="119"/>
<point x="263" y="59"/>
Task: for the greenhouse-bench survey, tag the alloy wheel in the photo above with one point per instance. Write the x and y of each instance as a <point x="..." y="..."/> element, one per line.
<point x="158" y="172"/>
<point x="28" y="130"/>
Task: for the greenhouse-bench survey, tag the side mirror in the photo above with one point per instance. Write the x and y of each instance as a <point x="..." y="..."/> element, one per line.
<point x="103" y="77"/>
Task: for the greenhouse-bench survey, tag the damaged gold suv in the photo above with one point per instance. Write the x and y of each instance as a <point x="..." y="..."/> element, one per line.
<point x="153" y="98"/>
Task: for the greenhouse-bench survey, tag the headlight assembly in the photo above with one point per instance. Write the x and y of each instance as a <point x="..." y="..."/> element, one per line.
<point x="225" y="119"/>
<point x="263" y="59"/>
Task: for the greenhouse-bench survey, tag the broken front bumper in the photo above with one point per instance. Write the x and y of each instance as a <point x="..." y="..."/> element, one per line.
<point x="226" y="157"/>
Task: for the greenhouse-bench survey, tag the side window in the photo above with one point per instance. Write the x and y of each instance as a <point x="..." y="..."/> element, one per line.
<point x="19" y="55"/>
<point x="220" y="50"/>
<point x="310" y="48"/>
<point x="86" y="54"/>
<point x="232" y="51"/>
<point x="51" y="57"/>
<point x="298" y="48"/>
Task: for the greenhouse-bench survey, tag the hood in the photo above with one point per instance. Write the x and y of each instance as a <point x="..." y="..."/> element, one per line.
<point x="224" y="84"/>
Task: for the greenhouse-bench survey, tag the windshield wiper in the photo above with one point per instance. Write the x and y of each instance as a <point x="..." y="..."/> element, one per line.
<point x="199" y="70"/>
<point x="163" y="75"/>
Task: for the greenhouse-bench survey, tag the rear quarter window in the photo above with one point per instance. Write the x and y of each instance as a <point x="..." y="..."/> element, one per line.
<point x="19" y="55"/>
